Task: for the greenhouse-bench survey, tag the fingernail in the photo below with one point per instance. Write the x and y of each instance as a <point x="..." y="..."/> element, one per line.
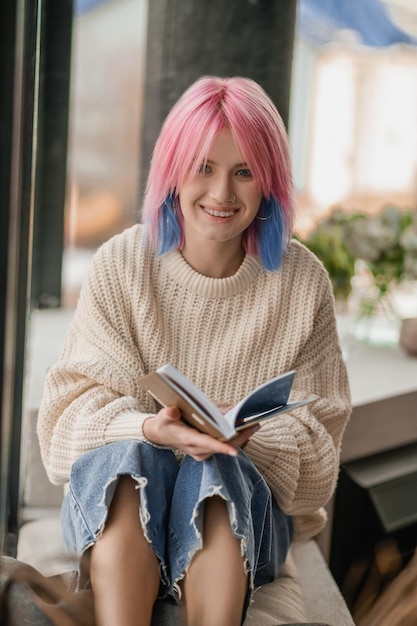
<point x="233" y="453"/>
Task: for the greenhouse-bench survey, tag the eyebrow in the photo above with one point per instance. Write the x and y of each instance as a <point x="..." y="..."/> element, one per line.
<point x="243" y="164"/>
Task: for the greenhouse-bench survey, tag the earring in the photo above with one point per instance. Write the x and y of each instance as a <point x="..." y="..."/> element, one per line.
<point x="265" y="207"/>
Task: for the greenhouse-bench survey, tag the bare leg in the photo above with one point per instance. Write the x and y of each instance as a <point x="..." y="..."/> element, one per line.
<point x="216" y="582"/>
<point x="124" y="570"/>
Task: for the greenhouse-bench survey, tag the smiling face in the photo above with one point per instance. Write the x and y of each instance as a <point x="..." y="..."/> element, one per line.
<point x="221" y="199"/>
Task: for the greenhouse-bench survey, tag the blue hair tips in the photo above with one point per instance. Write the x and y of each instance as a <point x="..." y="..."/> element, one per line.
<point x="169" y="229"/>
<point x="271" y="236"/>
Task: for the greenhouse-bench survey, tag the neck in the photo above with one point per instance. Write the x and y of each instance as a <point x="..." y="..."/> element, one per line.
<point x="219" y="260"/>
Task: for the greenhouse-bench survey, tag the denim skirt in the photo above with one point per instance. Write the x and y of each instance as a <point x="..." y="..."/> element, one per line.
<point x="171" y="509"/>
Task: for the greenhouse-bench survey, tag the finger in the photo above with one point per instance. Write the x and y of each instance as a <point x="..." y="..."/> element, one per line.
<point x="244" y="435"/>
<point x="172" y="412"/>
<point x="196" y="444"/>
<point x="190" y="440"/>
<point x="205" y="444"/>
<point x="200" y="457"/>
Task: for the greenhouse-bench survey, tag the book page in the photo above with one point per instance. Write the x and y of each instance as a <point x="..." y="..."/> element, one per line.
<point x="255" y="419"/>
<point x="268" y="397"/>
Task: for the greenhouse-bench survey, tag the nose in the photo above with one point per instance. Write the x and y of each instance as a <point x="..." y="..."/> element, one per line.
<point x="221" y="190"/>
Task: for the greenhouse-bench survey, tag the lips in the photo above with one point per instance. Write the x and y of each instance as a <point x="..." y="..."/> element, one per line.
<point x="218" y="213"/>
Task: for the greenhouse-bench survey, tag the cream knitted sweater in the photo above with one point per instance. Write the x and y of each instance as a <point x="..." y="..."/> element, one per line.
<point x="137" y="312"/>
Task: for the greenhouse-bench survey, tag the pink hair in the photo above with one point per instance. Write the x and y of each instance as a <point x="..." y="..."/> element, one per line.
<point x="208" y="105"/>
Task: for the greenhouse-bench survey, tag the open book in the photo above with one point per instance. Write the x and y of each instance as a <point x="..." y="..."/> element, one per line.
<point x="170" y="387"/>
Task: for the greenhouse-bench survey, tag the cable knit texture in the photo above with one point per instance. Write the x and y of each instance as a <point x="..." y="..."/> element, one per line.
<point x="137" y="312"/>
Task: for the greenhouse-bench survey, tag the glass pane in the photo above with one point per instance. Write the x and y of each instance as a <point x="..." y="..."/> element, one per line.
<point x="108" y="57"/>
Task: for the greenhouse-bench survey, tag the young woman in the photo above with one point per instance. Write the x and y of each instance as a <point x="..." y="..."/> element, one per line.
<point x="213" y="284"/>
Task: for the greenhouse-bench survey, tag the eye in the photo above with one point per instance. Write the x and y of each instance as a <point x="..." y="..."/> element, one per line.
<point x="204" y="168"/>
<point x="244" y="173"/>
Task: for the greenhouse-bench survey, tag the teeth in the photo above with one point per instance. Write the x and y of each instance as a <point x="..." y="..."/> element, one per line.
<point x="219" y="213"/>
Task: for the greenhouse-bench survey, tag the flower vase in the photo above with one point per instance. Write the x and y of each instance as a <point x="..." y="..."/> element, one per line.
<point x="408" y="336"/>
<point x="377" y="321"/>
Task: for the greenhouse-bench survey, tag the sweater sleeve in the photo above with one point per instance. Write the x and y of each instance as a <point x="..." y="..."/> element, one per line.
<point x="91" y="395"/>
<point x="298" y="453"/>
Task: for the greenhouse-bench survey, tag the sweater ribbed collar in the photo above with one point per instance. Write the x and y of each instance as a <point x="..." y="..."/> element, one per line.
<point x="205" y="286"/>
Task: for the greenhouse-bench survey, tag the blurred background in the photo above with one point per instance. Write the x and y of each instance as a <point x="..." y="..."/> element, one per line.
<point x="352" y="117"/>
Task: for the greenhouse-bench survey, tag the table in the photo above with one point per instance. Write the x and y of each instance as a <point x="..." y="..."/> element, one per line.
<point x="383" y="383"/>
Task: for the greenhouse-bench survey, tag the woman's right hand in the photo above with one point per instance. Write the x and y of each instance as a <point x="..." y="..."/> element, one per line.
<point x="167" y="429"/>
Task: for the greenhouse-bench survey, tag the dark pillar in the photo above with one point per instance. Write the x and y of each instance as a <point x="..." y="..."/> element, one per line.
<point x="51" y="171"/>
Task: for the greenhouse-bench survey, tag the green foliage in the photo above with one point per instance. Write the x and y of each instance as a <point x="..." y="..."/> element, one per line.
<point x="327" y="241"/>
<point x="386" y="242"/>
